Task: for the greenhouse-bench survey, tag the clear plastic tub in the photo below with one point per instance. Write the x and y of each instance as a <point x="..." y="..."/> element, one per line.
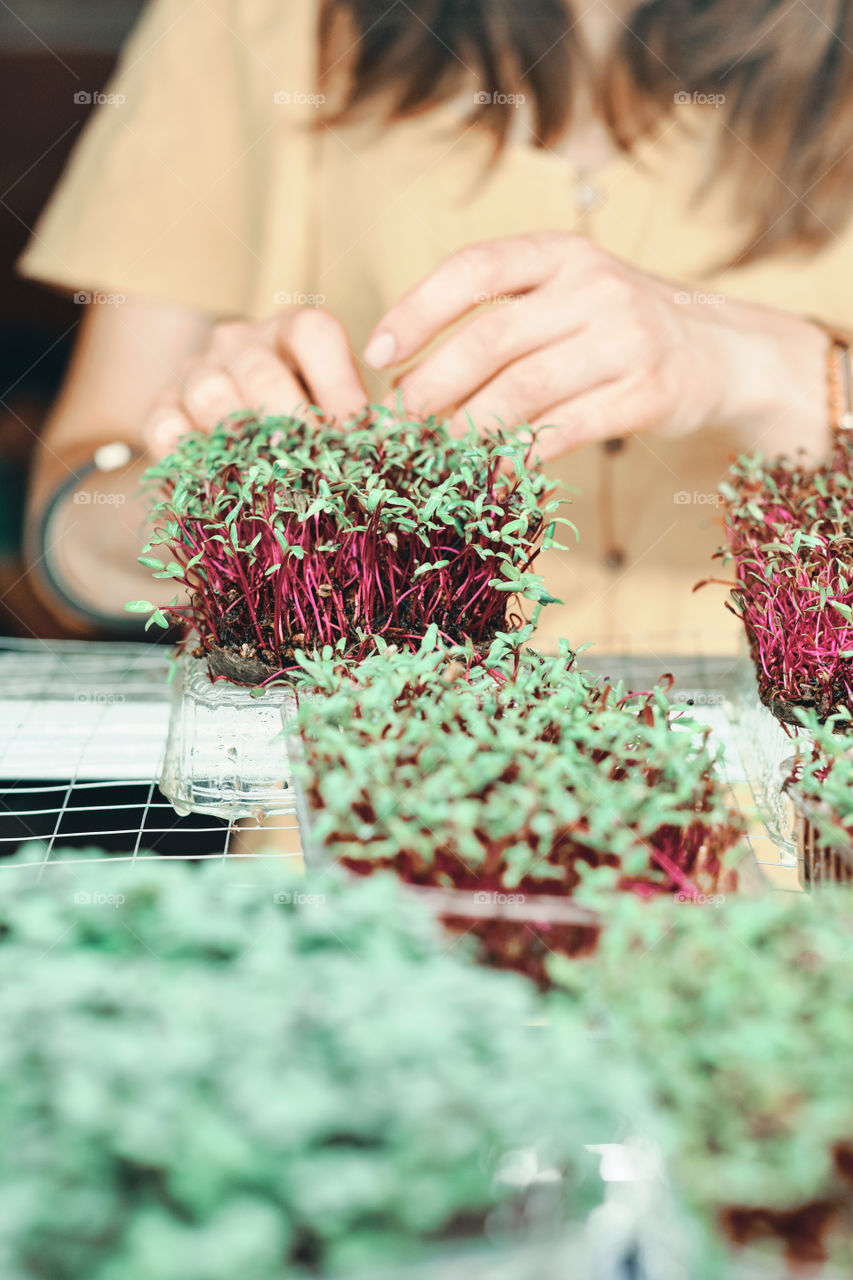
<point x="635" y="1231"/>
<point x="824" y="854"/>
<point x="226" y="753"/>
<point x="765" y="747"/>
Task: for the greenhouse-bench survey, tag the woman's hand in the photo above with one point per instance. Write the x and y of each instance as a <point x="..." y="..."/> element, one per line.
<point x="297" y="358"/>
<point x="581" y="340"/>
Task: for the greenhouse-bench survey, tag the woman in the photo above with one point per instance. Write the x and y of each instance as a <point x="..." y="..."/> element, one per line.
<point x="625" y="220"/>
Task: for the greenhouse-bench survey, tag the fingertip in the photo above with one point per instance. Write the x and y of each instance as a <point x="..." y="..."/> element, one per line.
<point x="380" y="350"/>
<point x="162" y="434"/>
<point x="461" y="423"/>
<point x="345" y="409"/>
<point x="555" y="438"/>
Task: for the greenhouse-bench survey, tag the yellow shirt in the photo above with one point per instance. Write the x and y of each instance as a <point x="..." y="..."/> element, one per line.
<point x="207" y="187"/>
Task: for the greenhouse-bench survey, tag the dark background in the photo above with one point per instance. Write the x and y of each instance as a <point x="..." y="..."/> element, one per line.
<point x="49" y="50"/>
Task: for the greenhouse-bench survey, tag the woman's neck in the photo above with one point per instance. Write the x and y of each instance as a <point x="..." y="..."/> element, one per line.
<point x="601" y="24"/>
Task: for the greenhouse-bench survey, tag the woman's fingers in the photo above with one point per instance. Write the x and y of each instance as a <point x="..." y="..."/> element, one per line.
<point x="476" y="274"/>
<point x="301" y="357"/>
<point x="266" y="384"/>
<point x="210" y="396"/>
<point x="317" y="348"/>
<point x="270" y="368"/>
<point x="552" y="375"/>
<point x="206" y="396"/>
<point x="164" y="425"/>
<point x="617" y="408"/>
<point x="473" y="356"/>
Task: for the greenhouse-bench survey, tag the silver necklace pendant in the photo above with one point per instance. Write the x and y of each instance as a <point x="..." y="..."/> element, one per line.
<point x="587" y="195"/>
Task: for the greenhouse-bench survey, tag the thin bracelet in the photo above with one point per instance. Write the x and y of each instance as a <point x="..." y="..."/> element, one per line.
<point x="105" y="457"/>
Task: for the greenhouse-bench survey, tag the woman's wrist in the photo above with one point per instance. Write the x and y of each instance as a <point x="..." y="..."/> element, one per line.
<point x="84" y="535"/>
<point x="774" y="391"/>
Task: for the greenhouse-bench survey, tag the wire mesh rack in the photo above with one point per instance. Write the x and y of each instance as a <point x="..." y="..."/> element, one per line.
<point x="83" y="729"/>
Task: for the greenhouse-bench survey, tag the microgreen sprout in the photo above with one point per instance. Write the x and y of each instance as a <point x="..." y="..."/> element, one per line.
<point x="292" y="534"/>
<point x="790" y="538"/>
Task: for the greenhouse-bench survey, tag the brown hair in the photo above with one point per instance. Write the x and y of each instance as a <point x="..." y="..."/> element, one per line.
<point x="785" y="70"/>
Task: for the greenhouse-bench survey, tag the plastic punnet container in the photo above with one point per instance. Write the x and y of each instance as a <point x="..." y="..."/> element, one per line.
<point x="226" y="752"/>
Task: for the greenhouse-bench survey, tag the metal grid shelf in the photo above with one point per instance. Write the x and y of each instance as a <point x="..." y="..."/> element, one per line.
<point x="82" y="735"/>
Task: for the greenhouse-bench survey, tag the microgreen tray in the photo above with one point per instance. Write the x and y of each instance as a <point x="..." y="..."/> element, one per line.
<point x="717" y="694"/>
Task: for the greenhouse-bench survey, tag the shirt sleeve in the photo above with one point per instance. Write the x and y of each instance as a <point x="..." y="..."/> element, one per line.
<point x="192" y="179"/>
